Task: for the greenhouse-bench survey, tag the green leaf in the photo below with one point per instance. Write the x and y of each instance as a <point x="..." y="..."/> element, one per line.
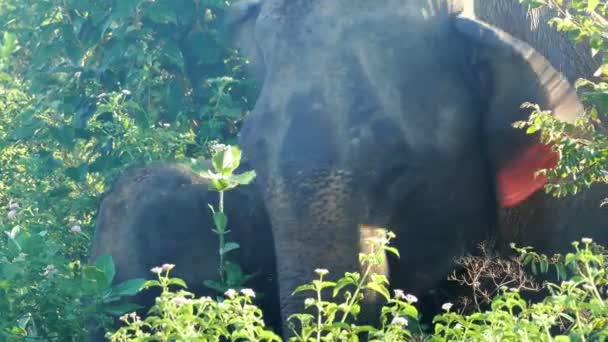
<point x="95" y="279"/>
<point x="128" y="288"/>
<point x="244" y="178"/>
<point x="302" y="288"/>
<point x="411" y="311"/>
<point x="230" y="246"/>
<point x="105" y="264"/>
<point x="220" y="220"/>
<point x="9" y="44"/>
<point x="215" y="285"/>
<point x="179" y="282"/>
<point x="341" y="283"/>
<point x="119" y="309"/>
<point x="227" y="160"/>
<point x="392" y="250"/>
<point x="379" y="289"/>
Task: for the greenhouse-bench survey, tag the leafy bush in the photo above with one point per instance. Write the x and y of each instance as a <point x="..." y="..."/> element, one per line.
<point x="574" y="310"/>
<point x="583" y="146"/>
<point x="179" y="316"/>
<point x="87" y="89"/>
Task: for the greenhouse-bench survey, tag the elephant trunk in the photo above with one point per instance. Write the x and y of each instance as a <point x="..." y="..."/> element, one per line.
<point x="316" y="212"/>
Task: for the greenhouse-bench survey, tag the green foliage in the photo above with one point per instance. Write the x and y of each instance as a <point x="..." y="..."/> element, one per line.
<point x="87" y="89"/>
<point x="45" y="295"/>
<point x="179" y="316"/>
<point x="583" y="146"/>
<point x="574" y="310"/>
<point x="330" y="323"/>
<point x="225" y="160"/>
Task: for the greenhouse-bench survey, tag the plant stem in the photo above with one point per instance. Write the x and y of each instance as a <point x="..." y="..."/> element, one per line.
<point x="221" y="234"/>
<point x="320" y="310"/>
<point x="359" y="286"/>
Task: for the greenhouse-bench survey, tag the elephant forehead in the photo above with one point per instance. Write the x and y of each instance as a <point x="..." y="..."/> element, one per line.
<point x="360" y="89"/>
<point x="366" y="108"/>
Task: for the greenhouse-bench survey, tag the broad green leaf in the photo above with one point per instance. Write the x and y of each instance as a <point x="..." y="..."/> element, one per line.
<point x="128" y="288"/>
<point x="379" y="289"/>
<point x="105" y="264"/>
<point x="244" y="178"/>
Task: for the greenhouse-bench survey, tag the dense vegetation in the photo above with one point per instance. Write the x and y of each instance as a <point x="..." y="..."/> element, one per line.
<point x="91" y="87"/>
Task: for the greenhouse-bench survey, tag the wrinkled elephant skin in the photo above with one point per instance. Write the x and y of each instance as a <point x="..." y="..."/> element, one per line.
<point x="159" y="214"/>
<point x="388" y="113"/>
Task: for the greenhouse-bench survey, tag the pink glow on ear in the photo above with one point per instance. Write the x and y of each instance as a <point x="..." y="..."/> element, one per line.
<point x="516" y="181"/>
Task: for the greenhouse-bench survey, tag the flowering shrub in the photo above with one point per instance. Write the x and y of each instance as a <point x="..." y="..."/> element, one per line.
<point x="179" y="316"/>
<point x="574" y="310"/>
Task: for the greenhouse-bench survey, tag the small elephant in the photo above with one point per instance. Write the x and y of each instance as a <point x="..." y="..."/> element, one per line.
<point x="159" y="214"/>
<point x="389" y="113"/>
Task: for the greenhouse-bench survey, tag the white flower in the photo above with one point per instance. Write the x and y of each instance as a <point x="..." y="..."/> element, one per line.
<point x="48" y="270"/>
<point x="126" y="92"/>
<point x="399" y="294"/>
<point x="321" y="271"/>
<point x="157" y="270"/>
<point x="12" y="214"/>
<point x="75" y="229"/>
<point x="309" y="302"/>
<point x="132" y="315"/>
<point x="248" y="293"/>
<point x="447" y="306"/>
<point x="13" y="206"/>
<point x="231" y="293"/>
<point x="587" y="240"/>
<point x="400" y="321"/>
<point x="180" y="301"/>
<point x="167" y="267"/>
<point x="218" y="147"/>
<point x="411" y="298"/>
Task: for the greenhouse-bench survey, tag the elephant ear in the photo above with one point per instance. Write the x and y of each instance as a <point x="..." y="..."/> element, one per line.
<point x="510" y="73"/>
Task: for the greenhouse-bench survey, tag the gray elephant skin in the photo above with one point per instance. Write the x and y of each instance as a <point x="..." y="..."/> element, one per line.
<point x="388" y="113"/>
<point x="543" y="219"/>
<point x="159" y="214"/>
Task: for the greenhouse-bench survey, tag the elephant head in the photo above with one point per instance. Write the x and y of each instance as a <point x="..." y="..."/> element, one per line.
<point x="388" y="113"/>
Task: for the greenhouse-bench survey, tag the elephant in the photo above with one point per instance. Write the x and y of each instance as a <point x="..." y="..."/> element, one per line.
<point x="159" y="214"/>
<point x="388" y="113"/>
<point x="542" y="220"/>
